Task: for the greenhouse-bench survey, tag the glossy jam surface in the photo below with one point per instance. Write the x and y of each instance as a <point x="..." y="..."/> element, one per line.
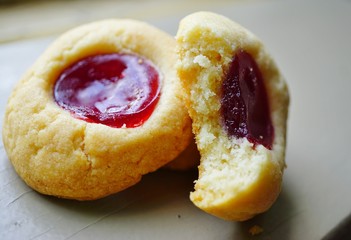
<point x="244" y="103"/>
<point x="118" y="90"/>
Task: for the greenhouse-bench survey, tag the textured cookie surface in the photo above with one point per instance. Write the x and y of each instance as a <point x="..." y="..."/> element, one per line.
<point x="237" y="179"/>
<point x="58" y="154"/>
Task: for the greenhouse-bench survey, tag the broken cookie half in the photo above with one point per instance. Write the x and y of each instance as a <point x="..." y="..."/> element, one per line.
<point x="238" y="102"/>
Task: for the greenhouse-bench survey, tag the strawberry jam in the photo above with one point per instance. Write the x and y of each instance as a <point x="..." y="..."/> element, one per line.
<point x="118" y="90"/>
<point x="244" y="102"/>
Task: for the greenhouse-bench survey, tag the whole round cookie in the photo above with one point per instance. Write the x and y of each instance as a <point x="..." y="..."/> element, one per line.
<point x="100" y="108"/>
<point x="238" y="102"/>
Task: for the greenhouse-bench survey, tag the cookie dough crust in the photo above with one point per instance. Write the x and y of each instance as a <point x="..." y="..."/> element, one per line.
<point x="57" y="154"/>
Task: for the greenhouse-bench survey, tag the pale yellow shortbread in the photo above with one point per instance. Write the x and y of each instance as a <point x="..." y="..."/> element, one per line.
<point x="57" y="154"/>
<point x="236" y="179"/>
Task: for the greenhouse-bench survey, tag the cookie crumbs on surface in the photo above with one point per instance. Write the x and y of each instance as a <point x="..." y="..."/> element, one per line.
<point x="255" y="230"/>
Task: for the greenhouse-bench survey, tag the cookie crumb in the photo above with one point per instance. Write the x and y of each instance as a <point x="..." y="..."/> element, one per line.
<point x="255" y="230"/>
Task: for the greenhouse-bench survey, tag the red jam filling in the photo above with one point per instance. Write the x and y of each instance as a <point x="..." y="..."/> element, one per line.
<point x="244" y="102"/>
<point x="118" y="90"/>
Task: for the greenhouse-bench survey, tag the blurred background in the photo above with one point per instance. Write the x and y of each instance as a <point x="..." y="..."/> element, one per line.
<point x="23" y="19"/>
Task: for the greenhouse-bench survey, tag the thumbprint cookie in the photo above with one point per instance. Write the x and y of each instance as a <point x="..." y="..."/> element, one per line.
<point x="238" y="102"/>
<point x="101" y="107"/>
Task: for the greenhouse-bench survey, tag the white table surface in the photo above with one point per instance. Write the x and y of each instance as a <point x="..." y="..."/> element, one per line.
<point x="311" y="42"/>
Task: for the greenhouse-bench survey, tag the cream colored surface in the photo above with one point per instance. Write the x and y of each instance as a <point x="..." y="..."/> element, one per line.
<point x="42" y="18"/>
<point x="310" y="42"/>
<point x="235" y="181"/>
<point x="59" y="155"/>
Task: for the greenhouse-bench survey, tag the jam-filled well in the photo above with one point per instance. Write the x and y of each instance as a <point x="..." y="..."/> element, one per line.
<point x="118" y="90"/>
<point x="244" y="102"/>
